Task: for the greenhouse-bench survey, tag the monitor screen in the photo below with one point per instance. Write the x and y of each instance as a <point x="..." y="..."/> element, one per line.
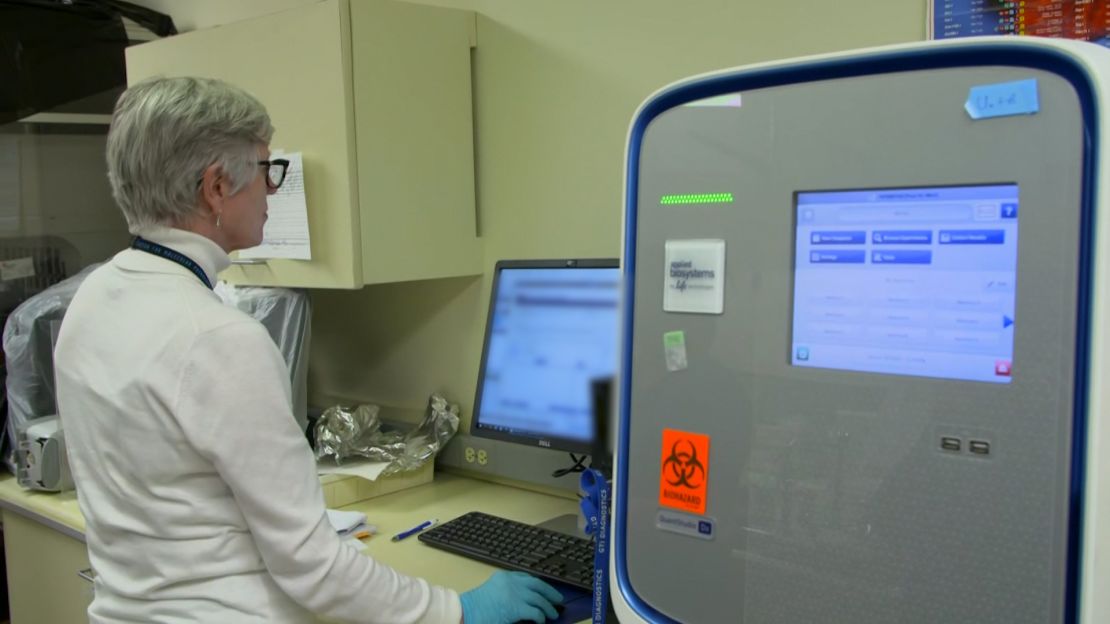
<point x="551" y="332"/>
<point x="912" y="281"/>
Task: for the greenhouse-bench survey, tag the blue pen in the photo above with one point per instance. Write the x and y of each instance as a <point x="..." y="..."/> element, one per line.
<point x="427" y="524"/>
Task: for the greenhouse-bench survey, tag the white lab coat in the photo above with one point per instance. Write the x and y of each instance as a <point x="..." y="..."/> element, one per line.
<point x="199" y="492"/>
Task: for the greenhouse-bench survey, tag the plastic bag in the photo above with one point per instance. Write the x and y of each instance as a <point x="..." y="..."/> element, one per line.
<point x="287" y="316"/>
<point x="29" y="336"/>
<point x="343" y="433"/>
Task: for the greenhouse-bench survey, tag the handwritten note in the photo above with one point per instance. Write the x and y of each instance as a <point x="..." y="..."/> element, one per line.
<point x="1003" y="99"/>
<point x="286" y="232"/>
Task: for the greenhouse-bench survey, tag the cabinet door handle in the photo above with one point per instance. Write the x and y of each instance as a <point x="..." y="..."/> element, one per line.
<point x="251" y="261"/>
<point x="87" y="574"/>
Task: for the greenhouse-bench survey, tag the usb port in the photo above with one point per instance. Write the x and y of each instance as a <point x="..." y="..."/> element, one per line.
<point x="950" y="444"/>
<point x="979" y="447"/>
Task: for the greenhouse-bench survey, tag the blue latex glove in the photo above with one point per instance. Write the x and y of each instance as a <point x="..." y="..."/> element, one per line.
<point x="508" y="597"/>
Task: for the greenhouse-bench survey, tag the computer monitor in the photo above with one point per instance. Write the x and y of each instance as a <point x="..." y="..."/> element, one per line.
<point x="551" y="334"/>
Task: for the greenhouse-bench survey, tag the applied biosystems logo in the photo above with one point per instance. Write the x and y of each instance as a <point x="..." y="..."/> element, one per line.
<point x="682" y="271"/>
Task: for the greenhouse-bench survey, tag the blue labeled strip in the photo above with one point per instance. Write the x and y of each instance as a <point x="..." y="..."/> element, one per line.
<point x="902" y="256"/>
<point x="902" y="237"/>
<point x="838" y="237"/>
<point x="172" y="255"/>
<point x="837" y="257"/>
<point x="1003" y="99"/>
<point x="972" y="237"/>
<point x="595" y="508"/>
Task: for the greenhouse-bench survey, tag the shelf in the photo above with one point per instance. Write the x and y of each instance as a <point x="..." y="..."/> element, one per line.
<point x="68" y="118"/>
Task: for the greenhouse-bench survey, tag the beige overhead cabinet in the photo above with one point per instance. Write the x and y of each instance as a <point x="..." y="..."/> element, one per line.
<point x="376" y="96"/>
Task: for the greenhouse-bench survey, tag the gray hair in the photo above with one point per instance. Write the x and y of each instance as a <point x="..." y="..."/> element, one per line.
<point x="166" y="131"/>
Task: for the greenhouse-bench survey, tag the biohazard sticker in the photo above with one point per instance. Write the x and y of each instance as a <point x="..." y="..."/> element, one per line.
<point x="684" y="471"/>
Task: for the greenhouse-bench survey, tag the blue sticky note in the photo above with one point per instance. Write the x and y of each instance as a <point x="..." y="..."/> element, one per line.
<point x="1003" y="99"/>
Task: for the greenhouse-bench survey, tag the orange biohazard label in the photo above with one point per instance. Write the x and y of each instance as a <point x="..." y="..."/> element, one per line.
<point x="684" y="471"/>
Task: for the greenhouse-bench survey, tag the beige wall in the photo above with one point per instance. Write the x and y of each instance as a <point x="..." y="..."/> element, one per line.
<point x="557" y="83"/>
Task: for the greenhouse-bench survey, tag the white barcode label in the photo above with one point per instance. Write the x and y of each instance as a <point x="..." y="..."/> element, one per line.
<point x="16" y="269"/>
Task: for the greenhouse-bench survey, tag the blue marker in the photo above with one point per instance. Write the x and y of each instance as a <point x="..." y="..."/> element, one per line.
<point x="427" y="524"/>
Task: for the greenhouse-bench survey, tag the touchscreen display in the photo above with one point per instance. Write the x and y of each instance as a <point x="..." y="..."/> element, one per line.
<point x="914" y="281"/>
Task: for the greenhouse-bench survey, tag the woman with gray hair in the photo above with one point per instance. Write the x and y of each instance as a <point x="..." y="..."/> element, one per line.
<point x="199" y="491"/>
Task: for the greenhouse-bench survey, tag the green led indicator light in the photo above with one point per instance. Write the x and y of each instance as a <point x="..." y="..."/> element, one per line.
<point x="697" y="198"/>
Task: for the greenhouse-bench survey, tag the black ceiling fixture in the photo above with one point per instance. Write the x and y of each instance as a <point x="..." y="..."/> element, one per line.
<point x="54" y="53"/>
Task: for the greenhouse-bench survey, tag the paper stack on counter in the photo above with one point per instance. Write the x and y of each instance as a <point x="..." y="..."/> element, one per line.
<point x="351" y="524"/>
<point x="366" y="469"/>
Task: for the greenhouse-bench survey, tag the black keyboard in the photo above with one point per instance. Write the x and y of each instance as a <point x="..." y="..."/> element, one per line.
<point x="517" y="546"/>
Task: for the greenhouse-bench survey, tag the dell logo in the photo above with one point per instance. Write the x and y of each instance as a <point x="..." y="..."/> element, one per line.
<point x="545" y="444"/>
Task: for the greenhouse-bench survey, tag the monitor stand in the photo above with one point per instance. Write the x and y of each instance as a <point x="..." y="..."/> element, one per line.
<point x="565" y="524"/>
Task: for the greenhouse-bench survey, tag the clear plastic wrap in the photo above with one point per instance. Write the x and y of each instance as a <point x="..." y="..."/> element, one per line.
<point x="32" y="329"/>
<point x="287" y="316"/>
<point x="29" y="336"/>
<point x="343" y="433"/>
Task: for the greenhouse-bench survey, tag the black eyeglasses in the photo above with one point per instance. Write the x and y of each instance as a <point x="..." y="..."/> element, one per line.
<point x="275" y="171"/>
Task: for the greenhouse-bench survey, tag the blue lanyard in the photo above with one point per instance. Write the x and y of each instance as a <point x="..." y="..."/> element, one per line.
<point x="595" y="506"/>
<point x="143" y="244"/>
